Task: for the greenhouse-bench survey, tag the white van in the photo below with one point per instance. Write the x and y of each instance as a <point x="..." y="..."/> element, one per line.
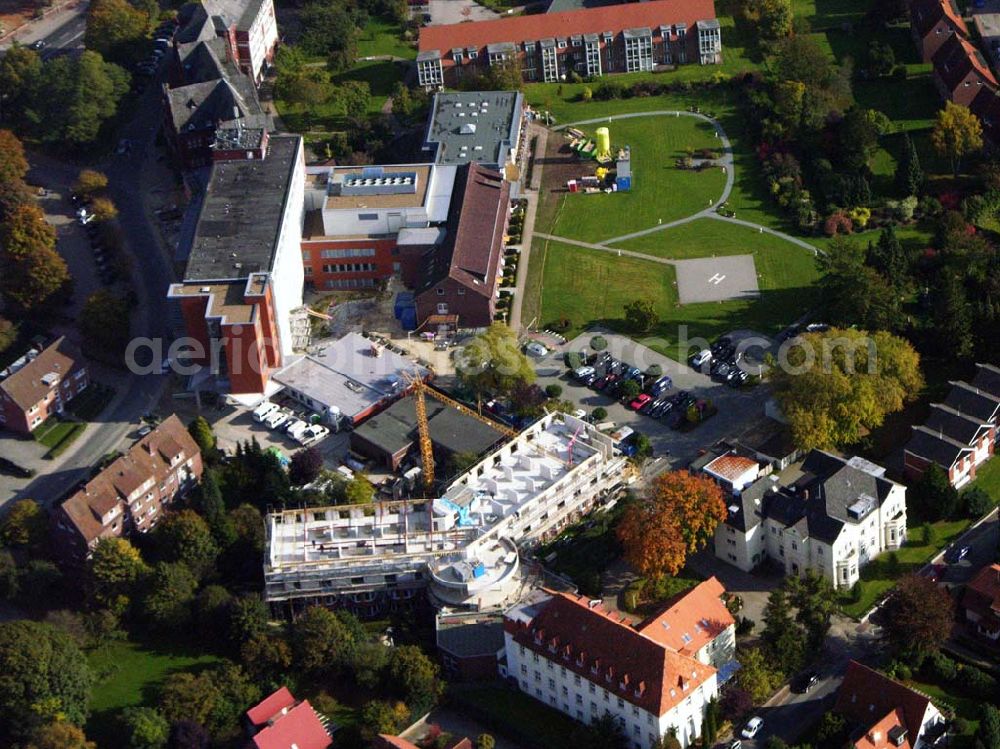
<point x="276" y="418"/>
<point x="264" y="410"/>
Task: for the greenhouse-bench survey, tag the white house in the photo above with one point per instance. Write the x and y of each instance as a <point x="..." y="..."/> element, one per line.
<point x="884" y="714"/>
<point x="575" y="656"/>
<point x="835" y="518"/>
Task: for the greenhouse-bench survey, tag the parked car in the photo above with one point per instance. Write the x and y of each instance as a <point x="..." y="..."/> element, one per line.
<point x="753" y="726"/>
<point x="124" y="146"/>
<point x="534" y="348"/>
<point x="805" y="681"/>
<point x="313" y="434"/>
<point x="661" y="385"/>
<point x="956" y="554"/>
<point x="702" y="358"/>
<point x="640" y="400"/>
<point x="581" y="373"/>
<point x="295" y="428"/>
<point x="276" y="418"/>
<point x="38" y="44"/>
<point x="264" y="410"/>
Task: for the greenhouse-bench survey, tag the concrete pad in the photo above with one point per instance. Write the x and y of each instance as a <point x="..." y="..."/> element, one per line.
<point x="713" y="279"/>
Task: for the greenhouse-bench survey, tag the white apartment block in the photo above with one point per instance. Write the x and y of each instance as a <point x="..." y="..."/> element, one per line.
<point x="835" y="517"/>
<point x="462" y="546"/>
<point x="576" y="657"/>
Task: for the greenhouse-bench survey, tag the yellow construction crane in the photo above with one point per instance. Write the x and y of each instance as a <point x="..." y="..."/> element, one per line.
<point x="420" y="389"/>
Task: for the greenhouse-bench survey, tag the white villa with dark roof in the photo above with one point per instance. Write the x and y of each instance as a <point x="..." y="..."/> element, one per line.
<point x="837" y="516"/>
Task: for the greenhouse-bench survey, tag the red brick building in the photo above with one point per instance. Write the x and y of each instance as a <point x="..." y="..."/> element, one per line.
<point x="130" y="495"/>
<point x="932" y="23"/>
<point x="979" y="605"/>
<point x="248" y="28"/>
<point x="621" y="38"/>
<point x="40" y="384"/>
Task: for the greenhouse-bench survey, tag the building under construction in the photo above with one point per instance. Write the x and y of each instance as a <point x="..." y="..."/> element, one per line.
<point x="463" y="546"/>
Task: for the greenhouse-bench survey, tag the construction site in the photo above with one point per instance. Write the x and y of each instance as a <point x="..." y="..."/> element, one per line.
<point x="462" y="543"/>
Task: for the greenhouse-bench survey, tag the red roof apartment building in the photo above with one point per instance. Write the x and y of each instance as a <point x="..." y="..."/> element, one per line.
<point x="280" y="721"/>
<point x="960" y="433"/>
<point x="572" y="654"/>
<point x="620" y="38"/>
<point x="932" y="23"/>
<point x="129" y="496"/>
<point x="884" y="714"/>
<point x="40" y="384"/>
<point x="244" y="274"/>
<point x="960" y="71"/>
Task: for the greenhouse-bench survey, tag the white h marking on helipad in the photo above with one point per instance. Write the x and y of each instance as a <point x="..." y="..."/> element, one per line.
<point x="717" y="279"/>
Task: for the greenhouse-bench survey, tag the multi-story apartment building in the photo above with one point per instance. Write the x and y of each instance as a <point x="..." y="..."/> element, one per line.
<point x="833" y="519"/>
<point x="960" y="433"/>
<point x="573" y="655"/>
<point x="621" y="38"/>
<point x="40" y="384"/>
<point x="130" y="495"/>
<point x="244" y="274"/>
<point x="463" y="546"/>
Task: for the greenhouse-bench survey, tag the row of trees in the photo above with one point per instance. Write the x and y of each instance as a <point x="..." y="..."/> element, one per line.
<point x="63" y="101"/>
<point x="31" y="271"/>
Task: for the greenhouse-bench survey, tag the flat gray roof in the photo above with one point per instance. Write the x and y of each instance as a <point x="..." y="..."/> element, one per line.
<point x="347" y="375"/>
<point x="240" y="217"/>
<point x="474" y="126"/>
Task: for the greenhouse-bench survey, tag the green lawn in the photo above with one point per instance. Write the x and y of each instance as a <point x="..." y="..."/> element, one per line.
<point x="584" y="550"/>
<point x="58" y="435"/>
<point x="129" y="674"/>
<point x="963" y="706"/>
<point x="381" y="37"/>
<point x="516" y="716"/>
<point x="824" y="14"/>
<point x="660" y="190"/>
<point x="988" y="478"/>
<point x="914" y="238"/>
<point x="590" y="287"/>
<point x="878" y="576"/>
<point x="327" y="117"/>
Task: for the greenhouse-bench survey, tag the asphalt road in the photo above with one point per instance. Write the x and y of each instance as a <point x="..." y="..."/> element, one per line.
<point x="67" y="36"/>
<point x="151" y="276"/>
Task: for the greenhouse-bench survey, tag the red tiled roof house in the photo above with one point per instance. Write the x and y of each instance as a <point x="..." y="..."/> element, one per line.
<point x="932" y="23"/>
<point x="280" y="721"/>
<point x="575" y="656"/>
<point x="980" y="602"/>
<point x="884" y="713"/>
<point x="960" y="71"/>
<point x="620" y="38"/>
<point x="40" y="384"/>
<point x="130" y="494"/>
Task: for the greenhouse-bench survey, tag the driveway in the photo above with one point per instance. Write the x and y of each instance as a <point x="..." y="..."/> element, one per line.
<point x="737" y="409"/>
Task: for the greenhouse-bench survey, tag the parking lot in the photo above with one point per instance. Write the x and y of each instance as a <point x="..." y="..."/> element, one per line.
<point x="737" y="409"/>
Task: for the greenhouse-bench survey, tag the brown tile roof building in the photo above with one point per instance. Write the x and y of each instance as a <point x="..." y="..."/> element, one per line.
<point x="873" y="701"/>
<point x="960" y="71"/>
<point x="593" y="41"/>
<point x="460" y="275"/>
<point x="932" y="22"/>
<point x="129" y="495"/>
<point x="40" y="384"/>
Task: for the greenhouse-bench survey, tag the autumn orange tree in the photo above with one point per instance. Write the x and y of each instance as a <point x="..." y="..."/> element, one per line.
<point x="677" y="516"/>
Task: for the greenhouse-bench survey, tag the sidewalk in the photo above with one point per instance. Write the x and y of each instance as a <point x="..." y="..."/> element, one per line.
<point x="38" y="28"/>
<point x="527" y="234"/>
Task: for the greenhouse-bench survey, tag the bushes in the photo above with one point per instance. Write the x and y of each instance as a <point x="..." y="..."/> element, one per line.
<point x="969" y="679"/>
<point x="573" y="359"/>
<point x="553" y="390"/>
<point x="632" y="595"/>
<point x="598" y="343"/>
<point x="976" y="502"/>
<point x="600" y="413"/>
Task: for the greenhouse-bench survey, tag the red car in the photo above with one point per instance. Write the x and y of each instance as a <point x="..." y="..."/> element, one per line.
<point x="641" y="400"/>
